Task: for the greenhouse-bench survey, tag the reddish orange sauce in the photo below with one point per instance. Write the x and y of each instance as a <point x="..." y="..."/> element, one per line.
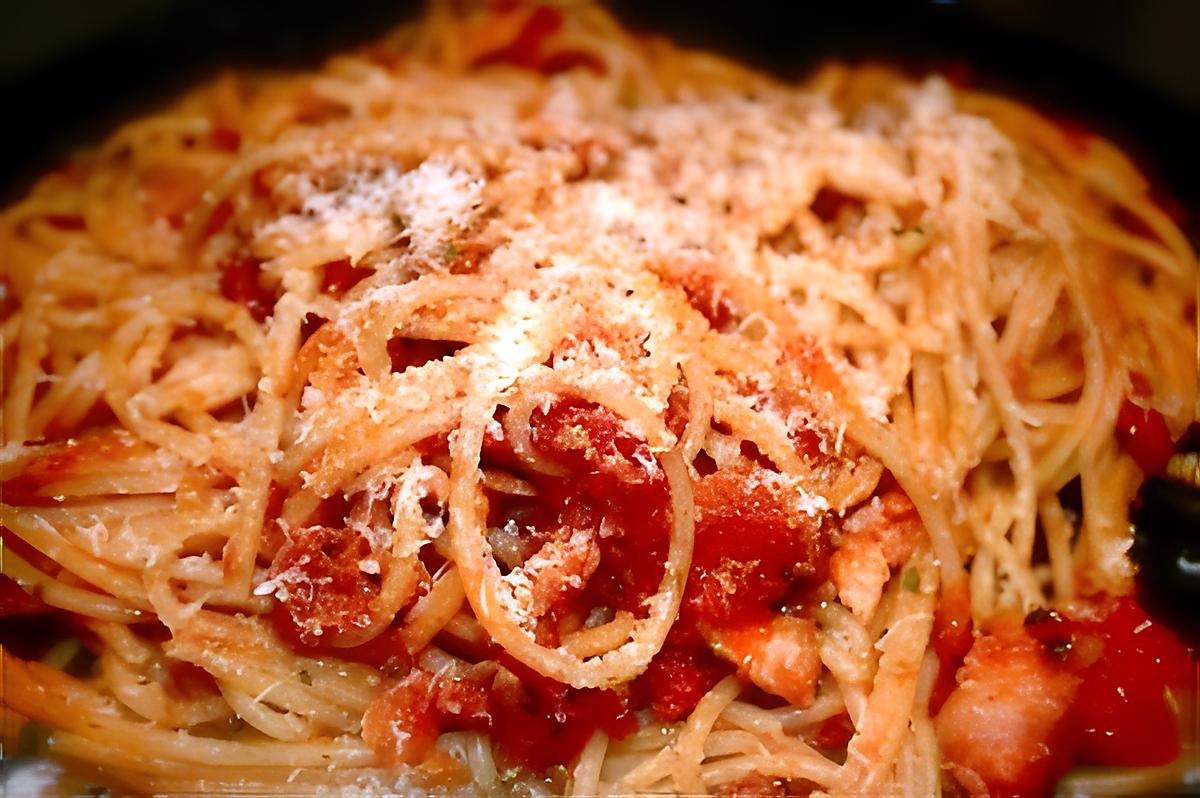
<point x="1144" y="435"/>
<point x="535" y="722"/>
<point x="748" y="559"/>
<point x="1036" y="699"/>
<point x="340" y="276"/>
<point x="528" y="49"/>
<point x="952" y="638"/>
<point x="322" y="588"/>
<point x="1121" y="714"/>
<point x="15" y="601"/>
<point x="241" y="282"/>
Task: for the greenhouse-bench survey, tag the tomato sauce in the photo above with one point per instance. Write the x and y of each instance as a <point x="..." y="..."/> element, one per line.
<point x="749" y="555"/>
<point x="1143" y="434"/>
<point x="1122" y="713"/>
<point x="15" y="601"/>
<point x="321" y="588"/>
<point x="528" y="49"/>
<point x="241" y="282"/>
<point x="952" y="638"/>
<point x="535" y="722"/>
<point x="340" y="276"/>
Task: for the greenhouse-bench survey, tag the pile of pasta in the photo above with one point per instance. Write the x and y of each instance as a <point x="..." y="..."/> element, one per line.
<point x="509" y="350"/>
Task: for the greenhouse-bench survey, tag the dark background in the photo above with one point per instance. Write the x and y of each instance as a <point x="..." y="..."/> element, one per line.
<point x="70" y="70"/>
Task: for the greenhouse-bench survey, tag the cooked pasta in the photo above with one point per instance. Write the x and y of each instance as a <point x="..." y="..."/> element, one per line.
<point x="520" y="401"/>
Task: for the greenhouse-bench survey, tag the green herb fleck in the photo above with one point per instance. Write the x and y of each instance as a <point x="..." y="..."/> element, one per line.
<point x="306" y="678"/>
<point x="899" y="231"/>
<point x="451" y="252"/>
<point x="911" y="581"/>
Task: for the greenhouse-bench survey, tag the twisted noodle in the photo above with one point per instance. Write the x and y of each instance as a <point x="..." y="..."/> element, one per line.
<point x="296" y="307"/>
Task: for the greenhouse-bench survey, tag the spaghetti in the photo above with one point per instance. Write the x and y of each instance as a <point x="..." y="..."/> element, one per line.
<point x="520" y="401"/>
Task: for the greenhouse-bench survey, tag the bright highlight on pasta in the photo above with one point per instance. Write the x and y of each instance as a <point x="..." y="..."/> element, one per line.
<point x="521" y="404"/>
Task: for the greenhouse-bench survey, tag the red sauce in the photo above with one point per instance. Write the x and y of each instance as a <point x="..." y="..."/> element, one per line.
<point x="1121" y="714"/>
<point x="241" y="282"/>
<point x="679" y="676"/>
<point x="834" y="733"/>
<point x="414" y="352"/>
<point x="323" y="591"/>
<point x="613" y="476"/>
<point x="225" y="138"/>
<point x="748" y="552"/>
<point x="15" y="601"/>
<point x="1143" y="434"/>
<point x="952" y="638"/>
<point x="528" y="48"/>
<point x="535" y="722"/>
<point x="66" y="221"/>
<point x="220" y="216"/>
<point x="86" y="454"/>
<point x="340" y="276"/>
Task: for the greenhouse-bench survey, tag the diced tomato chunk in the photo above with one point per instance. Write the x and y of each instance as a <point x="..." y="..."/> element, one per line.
<point x="340" y="276"/>
<point x="1144" y="435"/>
<point x="401" y="723"/>
<point x="1122" y="714"/>
<point x="1088" y="689"/>
<point x="750" y="548"/>
<point x="535" y="722"/>
<point x="679" y="676"/>
<point x="320" y="584"/>
<point x="952" y="638"/>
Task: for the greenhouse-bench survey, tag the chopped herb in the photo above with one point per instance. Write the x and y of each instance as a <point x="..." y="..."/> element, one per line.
<point x="899" y="231"/>
<point x="911" y="581"/>
<point x="306" y="678"/>
<point x="451" y="252"/>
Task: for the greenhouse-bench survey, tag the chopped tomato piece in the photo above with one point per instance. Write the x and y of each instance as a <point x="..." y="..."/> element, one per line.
<point x="321" y="583"/>
<point x="952" y="639"/>
<point x="535" y="722"/>
<point x="401" y="724"/>
<point x="1122" y="714"/>
<point x="750" y="548"/>
<point x="1144" y="435"/>
<point x="679" y="676"/>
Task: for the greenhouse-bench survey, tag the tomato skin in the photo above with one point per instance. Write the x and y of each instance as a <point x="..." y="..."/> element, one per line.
<point x="1143" y="434"/>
